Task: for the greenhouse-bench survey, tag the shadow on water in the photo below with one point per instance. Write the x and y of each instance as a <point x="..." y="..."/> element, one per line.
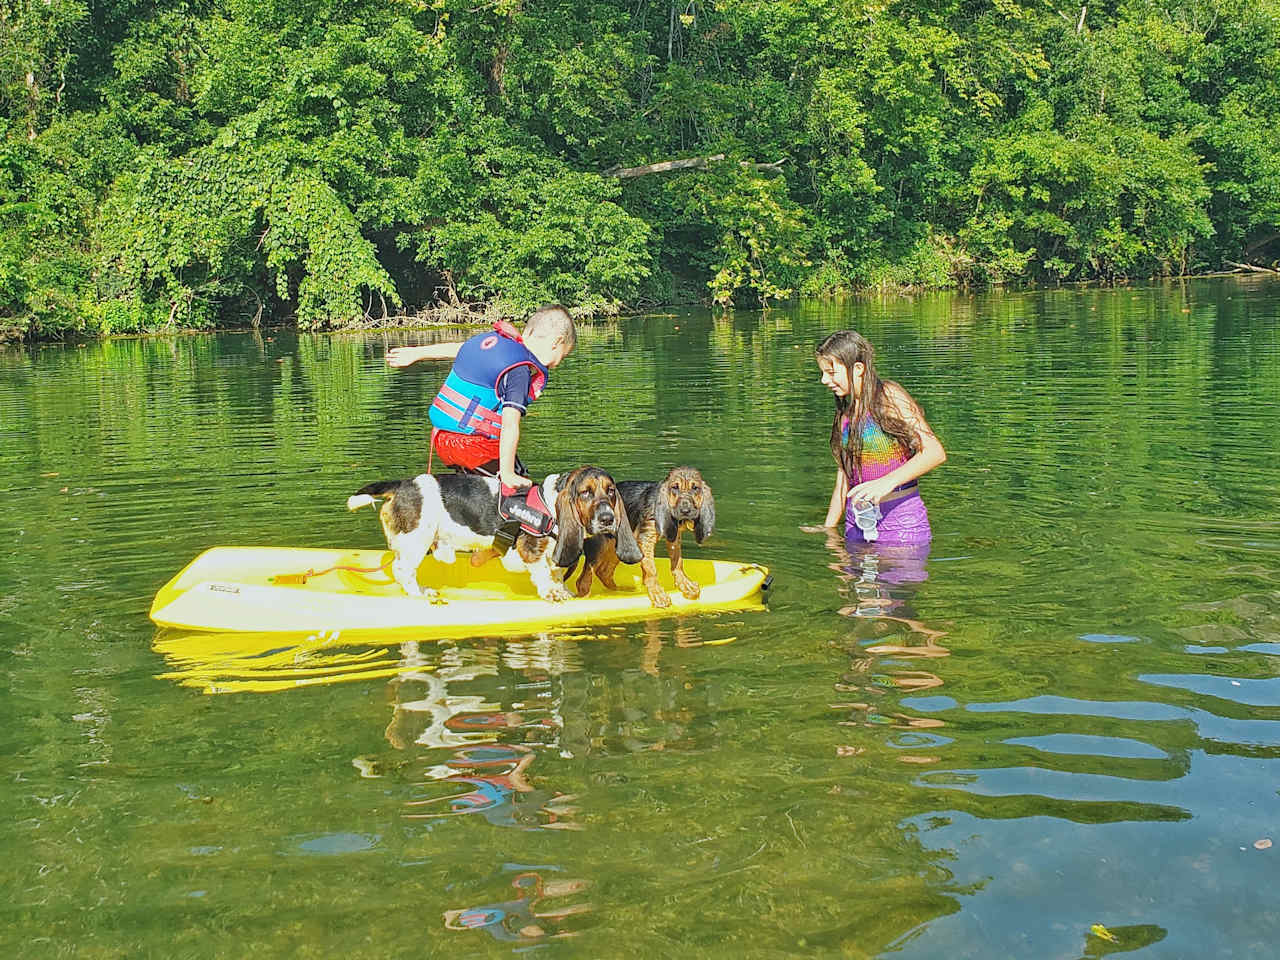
<point x="1056" y="735"/>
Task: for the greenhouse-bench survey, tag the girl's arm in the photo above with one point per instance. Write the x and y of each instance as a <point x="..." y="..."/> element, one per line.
<point x="835" y="509"/>
<point x="931" y="452"/>
<point x="406" y="356"/>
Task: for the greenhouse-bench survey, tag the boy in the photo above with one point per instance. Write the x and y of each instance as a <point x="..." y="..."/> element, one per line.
<point x="475" y="419"/>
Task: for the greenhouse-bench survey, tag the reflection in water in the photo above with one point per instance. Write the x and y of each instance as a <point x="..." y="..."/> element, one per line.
<point x="529" y="918"/>
<point x="1186" y="710"/>
<point x="886" y="638"/>
<point x="270" y="662"/>
<point x="1103" y="941"/>
<point x="337" y="844"/>
<point x="477" y="743"/>
<point x="499" y="791"/>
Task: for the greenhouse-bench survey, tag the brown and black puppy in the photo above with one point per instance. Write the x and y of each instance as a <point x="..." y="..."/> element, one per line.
<point x="443" y="514"/>
<point x="665" y="509"/>
<point x="590" y="505"/>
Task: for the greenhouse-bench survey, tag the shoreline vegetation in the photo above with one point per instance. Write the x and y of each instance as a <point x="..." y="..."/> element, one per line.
<point x="480" y="316"/>
<point x="213" y="164"/>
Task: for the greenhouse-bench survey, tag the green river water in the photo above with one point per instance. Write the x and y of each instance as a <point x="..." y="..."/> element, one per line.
<point x="1067" y="716"/>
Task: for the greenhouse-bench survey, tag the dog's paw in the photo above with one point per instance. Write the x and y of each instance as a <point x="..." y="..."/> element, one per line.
<point x="658" y="597"/>
<point x="688" y="587"/>
<point x="557" y="593"/>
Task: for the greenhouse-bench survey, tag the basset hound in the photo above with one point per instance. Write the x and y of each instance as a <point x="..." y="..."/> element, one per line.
<point x="682" y="501"/>
<point x="443" y="514"/>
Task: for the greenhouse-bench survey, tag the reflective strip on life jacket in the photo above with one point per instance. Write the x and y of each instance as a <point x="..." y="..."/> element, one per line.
<point x="468" y="412"/>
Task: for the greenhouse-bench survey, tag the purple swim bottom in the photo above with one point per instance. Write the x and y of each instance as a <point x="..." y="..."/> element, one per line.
<point x="904" y="523"/>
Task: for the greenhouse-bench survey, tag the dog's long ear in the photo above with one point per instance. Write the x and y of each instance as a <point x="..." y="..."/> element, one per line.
<point x="663" y="518"/>
<point x="706" y="522"/>
<point x="570" y="535"/>
<point x="628" y="550"/>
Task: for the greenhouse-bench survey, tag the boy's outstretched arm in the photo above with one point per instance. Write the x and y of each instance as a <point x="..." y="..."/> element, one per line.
<point x="405" y="356"/>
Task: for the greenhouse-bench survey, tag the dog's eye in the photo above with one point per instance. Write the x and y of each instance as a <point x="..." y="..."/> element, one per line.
<point x="584" y="494"/>
<point x="694" y="488"/>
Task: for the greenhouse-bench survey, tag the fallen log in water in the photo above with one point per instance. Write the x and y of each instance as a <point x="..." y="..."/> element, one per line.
<point x="1252" y="267"/>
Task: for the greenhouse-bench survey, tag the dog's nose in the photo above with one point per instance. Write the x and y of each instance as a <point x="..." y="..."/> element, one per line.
<point x="607" y="518"/>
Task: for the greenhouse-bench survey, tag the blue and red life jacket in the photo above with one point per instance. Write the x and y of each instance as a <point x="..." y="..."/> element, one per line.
<point x="468" y="402"/>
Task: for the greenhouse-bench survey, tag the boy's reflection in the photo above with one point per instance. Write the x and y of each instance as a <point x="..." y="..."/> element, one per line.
<point x="499" y="791"/>
<point x="479" y="744"/>
<point x="528" y="918"/>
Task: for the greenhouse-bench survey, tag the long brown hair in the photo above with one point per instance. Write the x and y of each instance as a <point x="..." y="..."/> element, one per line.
<point x="849" y="347"/>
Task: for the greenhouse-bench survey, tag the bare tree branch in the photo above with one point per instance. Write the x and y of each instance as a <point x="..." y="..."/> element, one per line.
<point x="690" y="163"/>
<point x="1257" y="245"/>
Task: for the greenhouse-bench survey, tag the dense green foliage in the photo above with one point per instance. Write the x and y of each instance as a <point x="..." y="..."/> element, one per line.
<point x="188" y="162"/>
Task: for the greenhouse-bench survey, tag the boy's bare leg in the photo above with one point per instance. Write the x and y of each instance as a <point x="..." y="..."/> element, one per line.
<point x="480" y="557"/>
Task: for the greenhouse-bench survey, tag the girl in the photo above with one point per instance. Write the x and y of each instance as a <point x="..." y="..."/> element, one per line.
<point x="881" y="442"/>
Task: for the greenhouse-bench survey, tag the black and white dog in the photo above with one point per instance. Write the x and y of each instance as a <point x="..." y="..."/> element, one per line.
<point x="443" y="514"/>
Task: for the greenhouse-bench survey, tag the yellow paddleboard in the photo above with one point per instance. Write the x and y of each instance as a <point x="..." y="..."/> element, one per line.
<point x="292" y="590"/>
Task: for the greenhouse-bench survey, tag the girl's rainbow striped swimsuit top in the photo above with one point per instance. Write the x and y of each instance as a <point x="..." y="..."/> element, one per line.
<point x="881" y="453"/>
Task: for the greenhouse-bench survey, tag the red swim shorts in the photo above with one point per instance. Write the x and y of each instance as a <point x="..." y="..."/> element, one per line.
<point x="465" y="450"/>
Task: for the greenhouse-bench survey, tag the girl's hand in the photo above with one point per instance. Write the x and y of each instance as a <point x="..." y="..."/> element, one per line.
<point x="871" y="490"/>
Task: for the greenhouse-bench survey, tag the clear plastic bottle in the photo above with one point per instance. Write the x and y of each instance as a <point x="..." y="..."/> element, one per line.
<point x="866" y="515"/>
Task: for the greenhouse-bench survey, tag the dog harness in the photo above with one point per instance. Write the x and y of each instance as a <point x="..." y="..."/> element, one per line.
<point x="523" y="509"/>
<point x="469" y="402"/>
<point x="527" y="507"/>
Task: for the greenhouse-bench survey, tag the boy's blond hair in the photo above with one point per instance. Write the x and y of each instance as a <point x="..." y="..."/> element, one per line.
<point x="554" y="321"/>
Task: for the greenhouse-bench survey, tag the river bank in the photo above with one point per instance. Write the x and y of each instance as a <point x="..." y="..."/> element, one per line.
<point x="464" y="316"/>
